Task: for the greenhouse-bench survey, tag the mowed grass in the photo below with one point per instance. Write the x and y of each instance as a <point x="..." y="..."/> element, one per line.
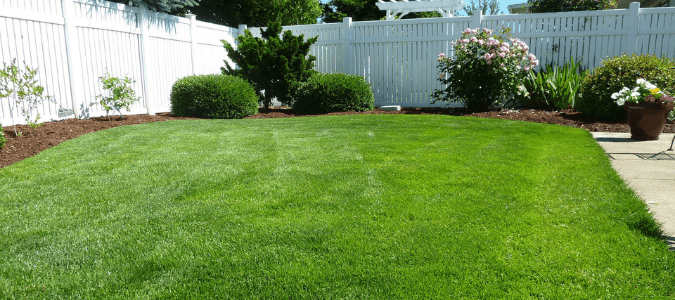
<point x="365" y="206"/>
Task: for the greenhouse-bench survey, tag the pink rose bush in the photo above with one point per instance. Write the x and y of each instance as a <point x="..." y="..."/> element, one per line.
<point x="486" y="71"/>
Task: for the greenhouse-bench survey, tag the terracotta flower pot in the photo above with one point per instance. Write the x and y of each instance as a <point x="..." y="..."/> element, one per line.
<point x="647" y="120"/>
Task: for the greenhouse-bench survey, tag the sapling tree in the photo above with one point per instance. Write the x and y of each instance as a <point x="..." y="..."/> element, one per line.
<point x="120" y="94"/>
<point x="272" y="64"/>
<point x="25" y="94"/>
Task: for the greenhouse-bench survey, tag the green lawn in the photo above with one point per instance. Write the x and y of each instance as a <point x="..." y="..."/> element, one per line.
<point x="362" y="206"/>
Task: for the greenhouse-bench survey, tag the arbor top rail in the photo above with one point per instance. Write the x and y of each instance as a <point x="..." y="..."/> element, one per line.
<point x="446" y="7"/>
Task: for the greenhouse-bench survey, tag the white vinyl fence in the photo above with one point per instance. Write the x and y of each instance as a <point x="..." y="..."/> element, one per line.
<point x="398" y="58"/>
<point x="73" y="42"/>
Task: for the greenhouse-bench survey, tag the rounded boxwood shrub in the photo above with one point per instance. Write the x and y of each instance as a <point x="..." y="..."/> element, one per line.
<point x="213" y="96"/>
<point x="324" y="93"/>
<point x="622" y="71"/>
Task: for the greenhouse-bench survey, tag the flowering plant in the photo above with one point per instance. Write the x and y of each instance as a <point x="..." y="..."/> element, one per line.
<point x="486" y="71"/>
<point x="644" y="91"/>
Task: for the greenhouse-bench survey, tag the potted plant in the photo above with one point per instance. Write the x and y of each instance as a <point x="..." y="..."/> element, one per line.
<point x="647" y="108"/>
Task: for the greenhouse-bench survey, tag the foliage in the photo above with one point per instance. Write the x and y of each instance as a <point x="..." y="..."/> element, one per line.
<point x="362" y="10"/>
<point x="486" y="71"/>
<point x="553" y="87"/>
<point x="324" y="93"/>
<point x="165" y="6"/>
<point x="257" y="13"/>
<point x="358" y="10"/>
<point x="27" y="94"/>
<point x="643" y="91"/>
<point x="614" y="74"/>
<point x="3" y="140"/>
<point x="120" y="94"/>
<point x="544" y="6"/>
<point x="486" y="6"/>
<point x="272" y="64"/>
<point x="213" y="96"/>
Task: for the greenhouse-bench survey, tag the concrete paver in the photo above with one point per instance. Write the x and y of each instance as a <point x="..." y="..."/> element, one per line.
<point x="649" y="169"/>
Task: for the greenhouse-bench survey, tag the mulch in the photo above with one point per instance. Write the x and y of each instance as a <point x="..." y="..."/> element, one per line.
<point x="50" y="134"/>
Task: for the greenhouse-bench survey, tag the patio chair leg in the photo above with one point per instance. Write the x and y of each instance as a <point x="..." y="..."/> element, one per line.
<point x="671" y="144"/>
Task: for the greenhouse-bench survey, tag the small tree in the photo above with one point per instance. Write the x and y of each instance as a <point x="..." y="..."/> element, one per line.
<point x="119" y="94"/>
<point x="272" y="64"/>
<point x="27" y="94"/>
<point x="544" y="6"/>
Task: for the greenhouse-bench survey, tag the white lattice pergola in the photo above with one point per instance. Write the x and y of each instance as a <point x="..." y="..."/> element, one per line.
<point x="403" y="7"/>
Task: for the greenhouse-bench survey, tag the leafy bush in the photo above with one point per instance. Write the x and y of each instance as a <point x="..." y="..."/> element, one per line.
<point x="486" y="71"/>
<point x="213" y="96"/>
<point x="553" y="87"/>
<point x="324" y="93"/>
<point x="614" y="74"/>
<point x="3" y="140"/>
<point x="22" y="85"/>
<point x="120" y="94"/>
<point x="272" y="64"/>
<point x="544" y="6"/>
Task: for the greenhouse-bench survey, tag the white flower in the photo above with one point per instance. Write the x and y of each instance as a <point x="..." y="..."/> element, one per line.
<point x="615" y="96"/>
<point x="620" y="102"/>
<point x="634" y="94"/>
<point x="640" y="81"/>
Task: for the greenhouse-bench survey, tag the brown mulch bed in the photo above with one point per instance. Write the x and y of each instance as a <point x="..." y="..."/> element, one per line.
<point x="53" y="133"/>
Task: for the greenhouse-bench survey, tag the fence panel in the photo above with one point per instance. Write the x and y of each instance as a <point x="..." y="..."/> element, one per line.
<point x="398" y="58"/>
<point x="106" y="36"/>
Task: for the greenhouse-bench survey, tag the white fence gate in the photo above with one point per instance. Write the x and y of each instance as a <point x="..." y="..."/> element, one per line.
<point x="72" y="42"/>
<point x="398" y="58"/>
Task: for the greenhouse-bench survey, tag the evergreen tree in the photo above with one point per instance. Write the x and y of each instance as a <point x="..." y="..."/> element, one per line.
<point x="165" y="6"/>
<point x="273" y="64"/>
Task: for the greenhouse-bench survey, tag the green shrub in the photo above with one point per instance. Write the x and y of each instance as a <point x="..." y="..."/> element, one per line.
<point x="324" y="93"/>
<point x="3" y="140"/>
<point x="596" y="91"/>
<point x="213" y="96"/>
<point x="553" y="87"/>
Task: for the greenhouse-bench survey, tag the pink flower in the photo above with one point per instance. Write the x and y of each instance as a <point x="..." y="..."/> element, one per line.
<point x="474" y="39"/>
<point x="441" y="55"/>
<point x="488" y="31"/>
<point x="504" y="49"/>
<point x="535" y="62"/>
<point x="518" y="67"/>
<point x="487" y="56"/>
<point x="467" y="31"/>
<point x="502" y="54"/>
<point x="527" y="68"/>
<point x="532" y="57"/>
<point x="481" y="42"/>
<point x="502" y="65"/>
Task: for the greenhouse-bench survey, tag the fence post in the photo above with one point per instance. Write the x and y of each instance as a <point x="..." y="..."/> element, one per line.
<point x="477" y="18"/>
<point x="143" y="22"/>
<point x="633" y="27"/>
<point x="193" y="41"/>
<point x="347" y="54"/>
<point x="73" y="57"/>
